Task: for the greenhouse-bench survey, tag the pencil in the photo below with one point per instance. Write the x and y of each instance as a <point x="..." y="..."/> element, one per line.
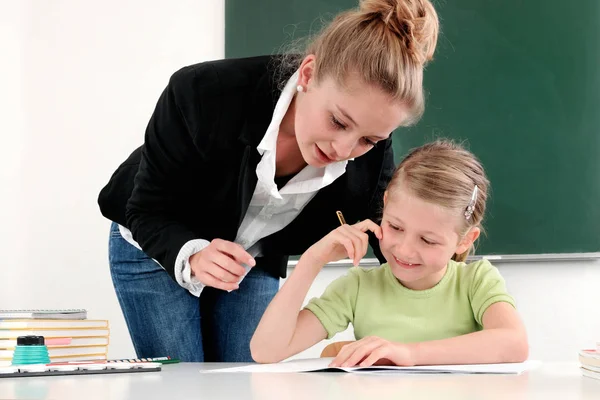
<point x="341" y="217"/>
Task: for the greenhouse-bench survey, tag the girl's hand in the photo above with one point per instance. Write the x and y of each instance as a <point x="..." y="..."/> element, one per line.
<point x="347" y="240"/>
<point x="219" y="264"/>
<point x="374" y="350"/>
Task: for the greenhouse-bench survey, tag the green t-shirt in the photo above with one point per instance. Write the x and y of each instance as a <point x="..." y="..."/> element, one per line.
<point x="377" y="304"/>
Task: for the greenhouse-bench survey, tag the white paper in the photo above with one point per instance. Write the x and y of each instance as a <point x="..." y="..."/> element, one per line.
<point x="322" y="364"/>
<point x="305" y="365"/>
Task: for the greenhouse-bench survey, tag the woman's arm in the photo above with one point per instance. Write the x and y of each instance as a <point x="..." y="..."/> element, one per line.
<point x="168" y="159"/>
<point x="159" y="210"/>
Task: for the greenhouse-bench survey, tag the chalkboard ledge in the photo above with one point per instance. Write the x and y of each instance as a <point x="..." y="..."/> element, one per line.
<point x="496" y="259"/>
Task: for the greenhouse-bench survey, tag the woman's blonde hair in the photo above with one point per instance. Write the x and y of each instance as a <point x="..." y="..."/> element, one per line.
<point x="385" y="43"/>
<point x="445" y="173"/>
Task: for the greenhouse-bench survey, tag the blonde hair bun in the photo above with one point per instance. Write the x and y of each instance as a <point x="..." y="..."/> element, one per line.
<point x="383" y="43"/>
<point x="414" y="21"/>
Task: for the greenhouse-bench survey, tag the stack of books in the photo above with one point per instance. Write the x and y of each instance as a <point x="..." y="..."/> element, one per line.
<point x="68" y="334"/>
<point x="590" y="362"/>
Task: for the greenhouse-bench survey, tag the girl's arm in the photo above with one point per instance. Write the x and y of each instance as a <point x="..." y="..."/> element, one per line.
<point x="502" y="340"/>
<point x="284" y="330"/>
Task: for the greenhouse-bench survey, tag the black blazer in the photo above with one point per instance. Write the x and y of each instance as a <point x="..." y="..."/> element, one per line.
<point x="195" y="174"/>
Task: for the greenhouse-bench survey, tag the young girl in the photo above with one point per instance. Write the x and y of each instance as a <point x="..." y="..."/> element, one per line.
<point x="425" y="305"/>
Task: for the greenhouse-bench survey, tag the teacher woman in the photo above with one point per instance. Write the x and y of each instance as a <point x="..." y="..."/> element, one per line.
<point x="245" y="162"/>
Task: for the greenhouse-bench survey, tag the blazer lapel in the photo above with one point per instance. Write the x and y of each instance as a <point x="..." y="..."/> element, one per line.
<point x="261" y="106"/>
<point x="246" y="182"/>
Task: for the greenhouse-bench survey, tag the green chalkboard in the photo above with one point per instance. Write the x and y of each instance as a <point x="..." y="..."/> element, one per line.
<point x="518" y="81"/>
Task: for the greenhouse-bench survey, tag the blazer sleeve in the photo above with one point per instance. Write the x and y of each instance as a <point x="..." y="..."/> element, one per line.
<point x="171" y="153"/>
<point x="376" y="204"/>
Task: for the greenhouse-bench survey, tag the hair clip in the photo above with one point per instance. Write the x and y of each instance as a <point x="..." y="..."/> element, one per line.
<point x="471" y="206"/>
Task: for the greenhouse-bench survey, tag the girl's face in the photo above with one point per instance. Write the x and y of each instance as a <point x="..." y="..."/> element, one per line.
<point x="333" y="123"/>
<point x="420" y="238"/>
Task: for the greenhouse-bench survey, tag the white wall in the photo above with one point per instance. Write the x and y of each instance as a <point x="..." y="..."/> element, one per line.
<point x="79" y="81"/>
<point x="11" y="138"/>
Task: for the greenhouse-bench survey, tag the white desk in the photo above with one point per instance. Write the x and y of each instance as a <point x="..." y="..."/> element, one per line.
<point x="183" y="381"/>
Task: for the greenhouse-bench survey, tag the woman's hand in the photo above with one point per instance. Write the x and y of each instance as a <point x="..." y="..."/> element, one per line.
<point x="219" y="264"/>
<point x="346" y="241"/>
<point x="374" y="350"/>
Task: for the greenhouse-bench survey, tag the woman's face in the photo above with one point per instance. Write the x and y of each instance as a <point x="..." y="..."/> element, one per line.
<point x="334" y="123"/>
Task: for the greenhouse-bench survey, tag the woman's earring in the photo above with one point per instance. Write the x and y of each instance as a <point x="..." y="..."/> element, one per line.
<point x="300" y="88"/>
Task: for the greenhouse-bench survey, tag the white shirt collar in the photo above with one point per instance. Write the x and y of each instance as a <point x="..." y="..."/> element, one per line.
<point x="269" y="141"/>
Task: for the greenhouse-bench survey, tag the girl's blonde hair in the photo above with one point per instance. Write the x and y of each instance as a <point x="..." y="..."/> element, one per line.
<point x="444" y="173"/>
<point x="383" y="42"/>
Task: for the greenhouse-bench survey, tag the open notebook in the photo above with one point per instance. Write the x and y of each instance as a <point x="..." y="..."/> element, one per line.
<point x="322" y="365"/>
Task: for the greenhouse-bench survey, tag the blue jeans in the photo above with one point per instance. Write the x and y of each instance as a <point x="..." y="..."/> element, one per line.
<point x="164" y="319"/>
